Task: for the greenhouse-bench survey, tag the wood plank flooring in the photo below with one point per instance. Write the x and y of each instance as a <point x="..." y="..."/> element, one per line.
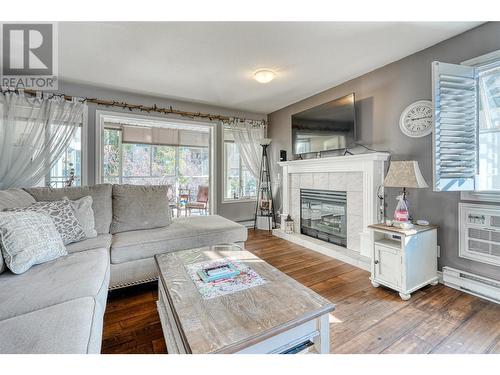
<point x="436" y="319"/>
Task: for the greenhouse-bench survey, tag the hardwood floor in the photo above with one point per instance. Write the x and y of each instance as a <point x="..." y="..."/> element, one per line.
<point x="436" y="319"/>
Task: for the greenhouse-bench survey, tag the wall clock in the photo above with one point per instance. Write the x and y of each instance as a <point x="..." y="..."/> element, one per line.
<point x="416" y="119"/>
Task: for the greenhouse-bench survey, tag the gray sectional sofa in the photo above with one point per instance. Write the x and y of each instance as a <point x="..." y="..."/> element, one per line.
<point x="58" y="307"/>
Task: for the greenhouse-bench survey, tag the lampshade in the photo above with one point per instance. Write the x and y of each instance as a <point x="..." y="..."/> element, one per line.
<point x="265" y="141"/>
<point x="405" y="174"/>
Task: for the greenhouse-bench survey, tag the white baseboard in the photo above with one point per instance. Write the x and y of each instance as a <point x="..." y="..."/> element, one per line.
<point x="338" y="252"/>
<point x="440" y="277"/>
<point x="246" y="223"/>
<point x="473" y="284"/>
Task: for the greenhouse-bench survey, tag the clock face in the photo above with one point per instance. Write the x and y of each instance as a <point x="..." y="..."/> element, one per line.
<point x="416" y="120"/>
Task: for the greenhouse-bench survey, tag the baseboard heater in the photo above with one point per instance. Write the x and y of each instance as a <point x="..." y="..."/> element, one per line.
<point x="477" y="285"/>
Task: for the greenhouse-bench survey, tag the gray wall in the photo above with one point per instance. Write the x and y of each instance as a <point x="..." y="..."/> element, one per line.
<point x="381" y="96"/>
<point x="233" y="211"/>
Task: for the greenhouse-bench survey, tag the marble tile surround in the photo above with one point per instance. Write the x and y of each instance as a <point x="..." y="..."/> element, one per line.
<point x="350" y="182"/>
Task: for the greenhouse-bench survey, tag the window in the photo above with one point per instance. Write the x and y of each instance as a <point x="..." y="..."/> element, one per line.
<point x="184" y="167"/>
<point x="466" y="139"/>
<point x="112" y="156"/>
<point x="489" y="128"/>
<point x="70" y="162"/>
<point x="239" y="183"/>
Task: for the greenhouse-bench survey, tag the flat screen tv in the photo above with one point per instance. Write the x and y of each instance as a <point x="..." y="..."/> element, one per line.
<point x="327" y="127"/>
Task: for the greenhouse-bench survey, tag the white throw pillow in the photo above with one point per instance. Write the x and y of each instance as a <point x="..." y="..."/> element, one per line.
<point x="63" y="216"/>
<point x="85" y="214"/>
<point x="2" y="263"/>
<point x="28" y="238"/>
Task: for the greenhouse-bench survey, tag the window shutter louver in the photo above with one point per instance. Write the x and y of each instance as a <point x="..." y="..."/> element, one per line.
<point x="454" y="140"/>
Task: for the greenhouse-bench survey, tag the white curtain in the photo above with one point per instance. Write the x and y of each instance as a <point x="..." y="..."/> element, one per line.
<point x="34" y="131"/>
<point x="247" y="135"/>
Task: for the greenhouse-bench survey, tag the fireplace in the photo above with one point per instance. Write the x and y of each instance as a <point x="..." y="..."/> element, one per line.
<point x="323" y="215"/>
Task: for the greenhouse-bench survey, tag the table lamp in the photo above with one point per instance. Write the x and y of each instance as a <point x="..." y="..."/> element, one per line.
<point x="405" y="174"/>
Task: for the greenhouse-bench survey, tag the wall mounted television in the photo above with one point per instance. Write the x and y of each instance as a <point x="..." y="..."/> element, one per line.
<point x="327" y="127"/>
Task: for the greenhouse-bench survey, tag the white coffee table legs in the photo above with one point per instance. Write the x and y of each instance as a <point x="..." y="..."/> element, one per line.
<point x="322" y="342"/>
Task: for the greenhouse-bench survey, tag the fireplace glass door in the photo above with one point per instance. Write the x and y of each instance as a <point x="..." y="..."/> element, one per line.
<point x="323" y="215"/>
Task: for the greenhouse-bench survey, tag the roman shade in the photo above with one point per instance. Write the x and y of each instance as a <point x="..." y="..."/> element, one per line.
<point x="164" y="136"/>
<point x="455" y="136"/>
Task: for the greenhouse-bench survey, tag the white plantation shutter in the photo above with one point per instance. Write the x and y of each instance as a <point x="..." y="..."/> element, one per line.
<point x="455" y="136"/>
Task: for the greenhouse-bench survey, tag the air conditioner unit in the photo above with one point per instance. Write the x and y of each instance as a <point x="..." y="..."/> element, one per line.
<point x="479" y="233"/>
<point x="467" y="282"/>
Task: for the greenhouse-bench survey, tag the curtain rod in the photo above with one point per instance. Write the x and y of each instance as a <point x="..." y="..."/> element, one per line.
<point x="143" y="108"/>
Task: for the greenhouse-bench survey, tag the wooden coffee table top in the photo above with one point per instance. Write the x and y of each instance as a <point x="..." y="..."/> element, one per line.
<point x="235" y="321"/>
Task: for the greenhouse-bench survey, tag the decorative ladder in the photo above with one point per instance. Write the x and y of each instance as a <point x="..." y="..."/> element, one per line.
<point x="264" y="206"/>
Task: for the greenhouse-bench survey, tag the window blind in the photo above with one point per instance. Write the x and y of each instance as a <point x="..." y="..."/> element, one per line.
<point x="164" y="136"/>
<point x="455" y="136"/>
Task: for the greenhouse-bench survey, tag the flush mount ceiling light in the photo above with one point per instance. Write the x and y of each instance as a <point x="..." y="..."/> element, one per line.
<point x="264" y="75"/>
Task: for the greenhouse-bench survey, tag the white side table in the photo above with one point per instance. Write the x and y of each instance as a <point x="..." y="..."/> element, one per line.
<point x="404" y="260"/>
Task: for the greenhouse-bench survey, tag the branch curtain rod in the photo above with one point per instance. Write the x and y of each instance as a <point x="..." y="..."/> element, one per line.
<point x="144" y="108"/>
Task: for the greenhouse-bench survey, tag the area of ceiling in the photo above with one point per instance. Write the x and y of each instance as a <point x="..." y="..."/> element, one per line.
<point x="213" y="62"/>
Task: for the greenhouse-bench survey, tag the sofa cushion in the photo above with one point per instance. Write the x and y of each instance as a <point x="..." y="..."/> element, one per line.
<point x="63" y="216"/>
<point x="183" y="233"/>
<point x="66" y="328"/>
<point x="82" y="274"/>
<point x="28" y="238"/>
<point x="101" y="197"/>
<point x="101" y="241"/>
<point x="85" y="214"/>
<point x="11" y="198"/>
<point x="137" y="207"/>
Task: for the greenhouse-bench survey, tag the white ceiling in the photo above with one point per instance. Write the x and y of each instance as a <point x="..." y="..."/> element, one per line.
<point x="213" y="62"/>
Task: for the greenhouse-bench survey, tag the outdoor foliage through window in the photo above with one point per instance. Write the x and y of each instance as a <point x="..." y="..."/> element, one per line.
<point x="182" y="167"/>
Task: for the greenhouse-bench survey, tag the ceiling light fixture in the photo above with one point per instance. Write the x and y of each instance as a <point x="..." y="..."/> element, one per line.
<point x="264" y="75"/>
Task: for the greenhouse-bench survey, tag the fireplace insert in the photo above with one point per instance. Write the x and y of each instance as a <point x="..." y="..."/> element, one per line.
<point x="323" y="215"/>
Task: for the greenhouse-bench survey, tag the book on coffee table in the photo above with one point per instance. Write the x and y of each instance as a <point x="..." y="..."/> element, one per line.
<point x="218" y="271"/>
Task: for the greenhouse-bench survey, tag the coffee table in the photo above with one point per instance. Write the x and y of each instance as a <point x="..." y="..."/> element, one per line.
<point x="278" y="316"/>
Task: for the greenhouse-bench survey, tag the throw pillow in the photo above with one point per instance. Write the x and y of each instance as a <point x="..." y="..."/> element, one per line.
<point x="85" y="214"/>
<point x="2" y="263"/>
<point x="15" y="198"/>
<point x="101" y="195"/>
<point x="64" y="218"/>
<point x="28" y="238"/>
<point x="138" y="207"/>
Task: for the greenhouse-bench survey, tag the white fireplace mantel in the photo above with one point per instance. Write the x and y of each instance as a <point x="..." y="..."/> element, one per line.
<point x="371" y="165"/>
<point x="333" y="163"/>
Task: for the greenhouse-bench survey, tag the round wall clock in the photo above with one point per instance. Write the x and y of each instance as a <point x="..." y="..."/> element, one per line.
<point x="416" y="119"/>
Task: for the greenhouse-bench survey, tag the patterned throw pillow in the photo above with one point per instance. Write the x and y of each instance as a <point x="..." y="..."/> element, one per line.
<point x="28" y="238"/>
<point x="64" y="218"/>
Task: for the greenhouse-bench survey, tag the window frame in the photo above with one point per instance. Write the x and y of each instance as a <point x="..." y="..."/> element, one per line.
<point x="224" y="174"/>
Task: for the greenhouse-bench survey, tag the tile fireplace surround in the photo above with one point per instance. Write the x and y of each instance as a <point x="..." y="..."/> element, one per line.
<point x="360" y="176"/>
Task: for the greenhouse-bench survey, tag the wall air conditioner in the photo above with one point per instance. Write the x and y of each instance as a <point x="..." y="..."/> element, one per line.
<point x="479" y="233"/>
<point x="467" y="282"/>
